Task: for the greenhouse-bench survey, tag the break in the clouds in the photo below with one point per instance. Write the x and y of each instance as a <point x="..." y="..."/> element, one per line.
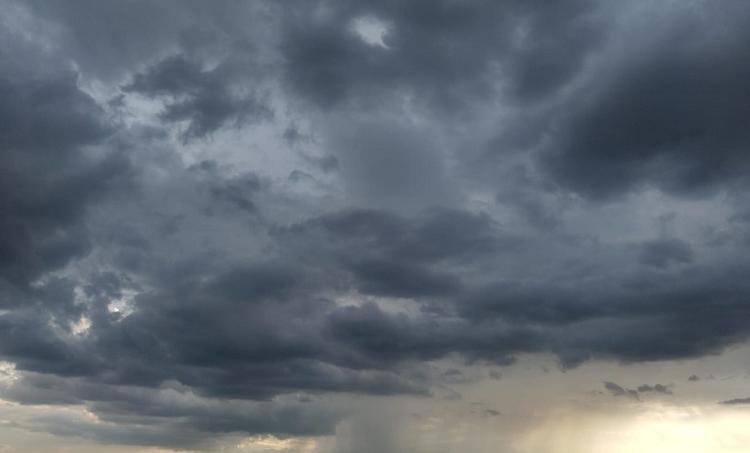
<point x="220" y="221"/>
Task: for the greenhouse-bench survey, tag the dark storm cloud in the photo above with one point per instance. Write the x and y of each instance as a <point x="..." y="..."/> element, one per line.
<point x="393" y="255"/>
<point x="663" y="252"/>
<point x="259" y="330"/>
<point x="170" y="416"/>
<point x="201" y="97"/>
<point x="666" y="324"/>
<point x="265" y="319"/>
<point x="112" y="41"/>
<point x="390" y="338"/>
<point x="241" y="335"/>
<point x="48" y="176"/>
<point x="671" y="320"/>
<point x="447" y="53"/>
<point x="179" y="297"/>
<point x="531" y="305"/>
<point x="248" y="321"/>
<point x="671" y="114"/>
<point x="237" y="191"/>
<point x="386" y="278"/>
<point x="29" y="339"/>
<point x="437" y="235"/>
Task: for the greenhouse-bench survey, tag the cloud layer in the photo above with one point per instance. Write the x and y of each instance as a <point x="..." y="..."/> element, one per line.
<point x="214" y="218"/>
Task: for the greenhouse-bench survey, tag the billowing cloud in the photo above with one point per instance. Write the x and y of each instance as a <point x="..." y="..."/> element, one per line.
<point x="200" y="97"/>
<point x="222" y="221"/>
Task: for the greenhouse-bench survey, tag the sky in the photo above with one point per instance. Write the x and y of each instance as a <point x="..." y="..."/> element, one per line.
<point x="329" y="226"/>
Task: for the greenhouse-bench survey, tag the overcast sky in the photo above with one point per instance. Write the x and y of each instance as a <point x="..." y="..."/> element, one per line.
<point x="360" y="226"/>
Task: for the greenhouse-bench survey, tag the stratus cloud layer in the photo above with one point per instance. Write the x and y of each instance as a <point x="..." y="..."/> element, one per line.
<point x="219" y="216"/>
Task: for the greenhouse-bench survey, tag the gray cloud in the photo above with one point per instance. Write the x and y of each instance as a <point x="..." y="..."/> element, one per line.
<point x="201" y="97"/>
<point x="736" y="401"/>
<point x="47" y="125"/>
<point x="671" y="117"/>
<point x="170" y="416"/>
<point x="477" y="55"/>
<point x="481" y="196"/>
<point x="663" y="252"/>
<point x="657" y="388"/>
<point x="617" y="390"/>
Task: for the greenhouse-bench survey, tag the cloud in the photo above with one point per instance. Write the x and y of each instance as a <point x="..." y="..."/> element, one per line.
<point x="478" y="56"/>
<point x="48" y="124"/>
<point x="489" y="182"/>
<point x="100" y="39"/>
<point x="203" y="98"/>
<point x="177" y="419"/>
<point x="736" y="401"/>
<point x="663" y="252"/>
<point x="664" y="116"/>
<point x="657" y="388"/>
<point x="616" y="390"/>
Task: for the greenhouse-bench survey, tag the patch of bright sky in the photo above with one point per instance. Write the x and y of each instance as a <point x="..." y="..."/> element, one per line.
<point x="533" y="408"/>
<point x="371" y="30"/>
